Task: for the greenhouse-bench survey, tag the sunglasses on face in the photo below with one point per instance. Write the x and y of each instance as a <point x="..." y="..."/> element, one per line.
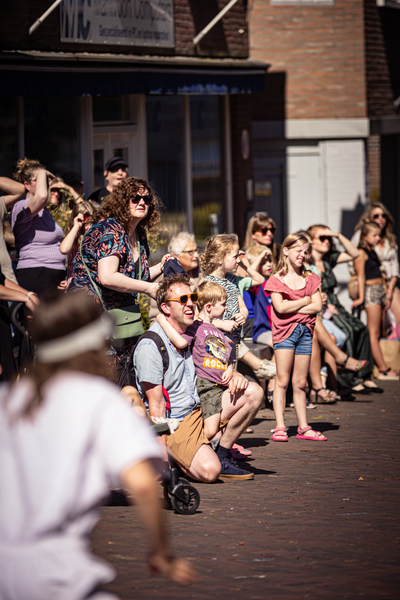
<point x="264" y="230"/>
<point x="138" y="198"/>
<point x="86" y="217"/>
<point x="190" y="252"/>
<point x="184" y="298"/>
<point x="376" y="217"/>
<point x="325" y="238"/>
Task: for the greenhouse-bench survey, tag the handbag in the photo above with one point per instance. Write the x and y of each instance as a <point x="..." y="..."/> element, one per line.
<point x="127" y="319"/>
<point x="352" y="287"/>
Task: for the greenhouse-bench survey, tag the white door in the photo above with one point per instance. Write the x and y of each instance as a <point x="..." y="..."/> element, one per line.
<point x="106" y="145"/>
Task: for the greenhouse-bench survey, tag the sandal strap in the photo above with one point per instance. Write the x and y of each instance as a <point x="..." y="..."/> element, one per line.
<point x="279" y="429"/>
<point x="385" y="372"/>
<point x="304" y="429"/>
<point x="344" y="363"/>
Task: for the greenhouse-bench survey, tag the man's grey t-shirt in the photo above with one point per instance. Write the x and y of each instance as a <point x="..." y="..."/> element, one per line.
<point x="179" y="380"/>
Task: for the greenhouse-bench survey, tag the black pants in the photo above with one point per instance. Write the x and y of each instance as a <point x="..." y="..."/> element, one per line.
<point x="40" y="279"/>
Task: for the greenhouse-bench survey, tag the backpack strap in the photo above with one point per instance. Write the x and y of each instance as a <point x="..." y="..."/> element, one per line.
<point x="157" y="339"/>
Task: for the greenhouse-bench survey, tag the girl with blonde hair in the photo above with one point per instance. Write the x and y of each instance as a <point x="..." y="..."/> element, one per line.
<point x="296" y="300"/>
<point x="372" y="294"/>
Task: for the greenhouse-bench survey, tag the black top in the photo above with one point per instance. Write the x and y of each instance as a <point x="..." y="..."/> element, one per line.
<point x="372" y="266"/>
<point x="98" y="196"/>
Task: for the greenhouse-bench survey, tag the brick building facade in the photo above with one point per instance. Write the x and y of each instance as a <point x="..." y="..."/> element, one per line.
<point x="334" y="139"/>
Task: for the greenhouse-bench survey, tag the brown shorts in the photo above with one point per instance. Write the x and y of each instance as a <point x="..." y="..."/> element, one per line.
<point x="187" y="439"/>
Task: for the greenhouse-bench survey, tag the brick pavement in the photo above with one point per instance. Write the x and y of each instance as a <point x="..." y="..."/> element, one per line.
<point x="319" y="519"/>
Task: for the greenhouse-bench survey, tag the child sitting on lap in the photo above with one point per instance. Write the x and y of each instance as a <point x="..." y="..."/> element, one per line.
<point x="213" y="353"/>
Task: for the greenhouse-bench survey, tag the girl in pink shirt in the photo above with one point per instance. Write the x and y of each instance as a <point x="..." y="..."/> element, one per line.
<point x="296" y="300"/>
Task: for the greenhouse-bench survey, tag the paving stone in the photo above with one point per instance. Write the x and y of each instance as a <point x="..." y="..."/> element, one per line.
<point x="319" y="520"/>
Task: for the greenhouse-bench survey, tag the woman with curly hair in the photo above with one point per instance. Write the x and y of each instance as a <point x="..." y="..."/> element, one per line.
<point x="114" y="253"/>
<point x="260" y="232"/>
<point x="386" y="249"/>
<point x="41" y="266"/>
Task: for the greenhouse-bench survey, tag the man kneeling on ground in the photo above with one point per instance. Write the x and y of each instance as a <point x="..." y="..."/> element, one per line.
<point x="174" y="393"/>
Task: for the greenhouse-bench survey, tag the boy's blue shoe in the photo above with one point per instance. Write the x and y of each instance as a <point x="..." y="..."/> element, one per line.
<point x="230" y="470"/>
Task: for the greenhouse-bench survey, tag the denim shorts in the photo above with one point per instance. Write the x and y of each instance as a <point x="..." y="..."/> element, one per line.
<point x="300" y="340"/>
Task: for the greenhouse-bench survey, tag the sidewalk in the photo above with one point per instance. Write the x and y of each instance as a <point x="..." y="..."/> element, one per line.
<point x="319" y="520"/>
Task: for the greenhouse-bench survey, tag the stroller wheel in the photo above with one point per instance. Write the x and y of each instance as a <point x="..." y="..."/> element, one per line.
<point x="186" y="498"/>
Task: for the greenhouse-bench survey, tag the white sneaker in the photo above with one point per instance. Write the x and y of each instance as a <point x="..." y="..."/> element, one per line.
<point x="267" y="370"/>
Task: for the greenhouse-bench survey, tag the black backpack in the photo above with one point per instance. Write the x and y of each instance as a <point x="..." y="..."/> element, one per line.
<point x="126" y="373"/>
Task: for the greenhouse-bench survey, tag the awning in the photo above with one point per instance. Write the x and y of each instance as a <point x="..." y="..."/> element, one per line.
<point x="110" y="75"/>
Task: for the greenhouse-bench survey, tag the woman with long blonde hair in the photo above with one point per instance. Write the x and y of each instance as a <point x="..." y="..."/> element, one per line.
<point x="386" y="250"/>
<point x="260" y="231"/>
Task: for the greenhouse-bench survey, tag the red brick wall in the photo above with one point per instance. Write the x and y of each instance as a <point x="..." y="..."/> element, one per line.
<point x="224" y="40"/>
<point x="374" y="166"/>
<point x="320" y="48"/>
<point x="382" y="43"/>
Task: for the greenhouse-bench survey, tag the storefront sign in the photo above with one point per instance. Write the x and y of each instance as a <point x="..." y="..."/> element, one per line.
<point x="301" y="2"/>
<point x="118" y="22"/>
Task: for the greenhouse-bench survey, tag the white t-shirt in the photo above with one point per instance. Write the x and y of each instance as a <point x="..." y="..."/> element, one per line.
<point x="56" y="469"/>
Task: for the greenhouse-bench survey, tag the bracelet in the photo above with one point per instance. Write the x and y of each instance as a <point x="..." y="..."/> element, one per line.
<point x="29" y="294"/>
<point x="390" y="287"/>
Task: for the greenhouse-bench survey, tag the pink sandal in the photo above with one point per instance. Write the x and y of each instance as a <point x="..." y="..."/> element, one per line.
<point x="317" y="437"/>
<point x="239" y="448"/>
<point x="279" y="434"/>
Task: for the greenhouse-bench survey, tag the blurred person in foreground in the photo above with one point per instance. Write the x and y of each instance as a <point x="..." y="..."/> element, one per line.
<point x="67" y="437"/>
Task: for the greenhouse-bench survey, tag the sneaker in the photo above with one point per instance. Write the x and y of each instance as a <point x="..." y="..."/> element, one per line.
<point x="267" y="370"/>
<point x="230" y="470"/>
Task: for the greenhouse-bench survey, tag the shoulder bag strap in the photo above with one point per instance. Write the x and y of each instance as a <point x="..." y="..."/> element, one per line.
<point x="90" y="277"/>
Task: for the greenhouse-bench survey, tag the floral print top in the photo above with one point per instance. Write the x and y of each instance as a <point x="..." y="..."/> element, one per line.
<point x="109" y="238"/>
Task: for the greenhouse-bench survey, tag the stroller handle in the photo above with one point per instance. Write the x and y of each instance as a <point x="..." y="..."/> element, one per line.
<point x="16" y="307"/>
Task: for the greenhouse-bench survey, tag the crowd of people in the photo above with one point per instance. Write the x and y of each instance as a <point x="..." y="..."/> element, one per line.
<point x="87" y="260"/>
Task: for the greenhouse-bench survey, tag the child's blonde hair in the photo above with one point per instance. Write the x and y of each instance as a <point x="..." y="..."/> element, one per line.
<point x="255" y="251"/>
<point x="217" y="247"/>
<point x="291" y="241"/>
<point x="212" y="292"/>
<point x="365" y="230"/>
<point x="85" y="208"/>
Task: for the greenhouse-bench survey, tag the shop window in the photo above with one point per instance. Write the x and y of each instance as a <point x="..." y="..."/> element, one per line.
<point x="110" y="109"/>
<point x="166" y="158"/>
<point x="206" y="153"/>
<point x="9" y="135"/>
<point x="52" y="132"/>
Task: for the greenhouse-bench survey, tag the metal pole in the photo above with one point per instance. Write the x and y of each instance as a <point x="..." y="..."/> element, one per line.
<point x="211" y="24"/>
<point x="44" y="16"/>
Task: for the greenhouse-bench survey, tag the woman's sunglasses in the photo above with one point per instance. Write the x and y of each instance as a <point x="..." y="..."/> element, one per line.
<point x="265" y="229"/>
<point x="184" y="298"/>
<point x="376" y="217"/>
<point x="86" y="217"/>
<point x="325" y="238"/>
<point x="138" y="198"/>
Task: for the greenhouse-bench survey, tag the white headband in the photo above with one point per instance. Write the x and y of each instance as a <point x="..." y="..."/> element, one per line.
<point x="88" y="337"/>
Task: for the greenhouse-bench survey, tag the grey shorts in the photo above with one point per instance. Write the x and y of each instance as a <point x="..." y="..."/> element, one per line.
<point x="265" y="338"/>
<point x="210" y="394"/>
<point x="374" y="294"/>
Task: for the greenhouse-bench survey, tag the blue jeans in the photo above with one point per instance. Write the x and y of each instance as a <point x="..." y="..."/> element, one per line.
<point x="334" y="330"/>
<point x="300" y="340"/>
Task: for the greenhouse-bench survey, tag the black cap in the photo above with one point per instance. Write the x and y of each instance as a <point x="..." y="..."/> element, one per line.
<point x="113" y="163"/>
<point x="72" y="176"/>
